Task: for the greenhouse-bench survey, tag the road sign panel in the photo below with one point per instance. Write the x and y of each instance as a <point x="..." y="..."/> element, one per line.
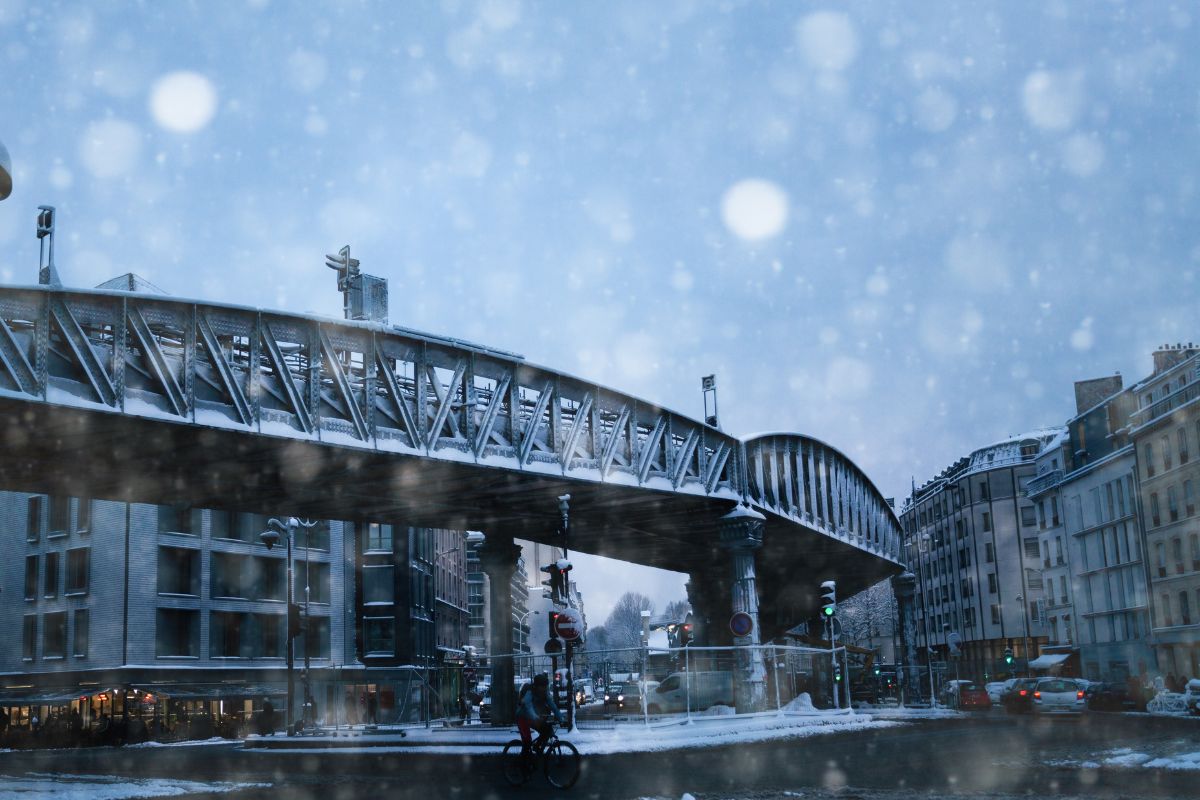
<point x="569" y="624"/>
<point x="553" y="647"/>
<point x="741" y="624"/>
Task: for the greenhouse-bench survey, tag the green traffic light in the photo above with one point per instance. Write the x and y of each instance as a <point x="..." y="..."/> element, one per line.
<point x="829" y="611"/>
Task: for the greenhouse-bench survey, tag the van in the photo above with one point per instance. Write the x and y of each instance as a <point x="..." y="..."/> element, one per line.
<point x="700" y="690"/>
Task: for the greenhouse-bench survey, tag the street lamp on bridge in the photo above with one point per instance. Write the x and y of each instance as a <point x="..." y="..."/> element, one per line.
<point x="270" y="537"/>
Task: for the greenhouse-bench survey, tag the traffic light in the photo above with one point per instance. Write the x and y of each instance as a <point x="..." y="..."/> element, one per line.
<point x="552" y="619"/>
<point x="685" y="634"/>
<point x="1008" y="655"/>
<point x="878" y="671"/>
<point x="837" y="675"/>
<point x="295" y="626"/>
<point x="829" y="598"/>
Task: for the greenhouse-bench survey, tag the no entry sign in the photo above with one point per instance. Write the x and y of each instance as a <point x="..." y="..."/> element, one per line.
<point x="741" y="624"/>
<point x="569" y="624"/>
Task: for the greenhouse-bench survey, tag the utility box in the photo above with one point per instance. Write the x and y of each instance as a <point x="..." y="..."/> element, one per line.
<point x="369" y="298"/>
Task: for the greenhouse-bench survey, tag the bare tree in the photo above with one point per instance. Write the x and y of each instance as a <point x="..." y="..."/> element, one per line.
<point x="677" y="610"/>
<point x="868" y="615"/>
<point x="624" y="624"/>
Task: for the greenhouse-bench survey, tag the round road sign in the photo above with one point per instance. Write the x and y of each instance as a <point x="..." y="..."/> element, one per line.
<point x="741" y="624"/>
<point x="569" y="624"/>
<point x="553" y="647"/>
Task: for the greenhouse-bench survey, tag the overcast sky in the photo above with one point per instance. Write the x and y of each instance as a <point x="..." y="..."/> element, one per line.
<point x="902" y="228"/>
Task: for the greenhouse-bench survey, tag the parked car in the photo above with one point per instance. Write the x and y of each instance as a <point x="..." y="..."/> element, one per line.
<point x="697" y="689"/>
<point x="1019" y="698"/>
<point x="1058" y="694"/>
<point x="996" y="689"/>
<point x="585" y="691"/>
<point x="1109" y="697"/>
<point x="966" y="696"/>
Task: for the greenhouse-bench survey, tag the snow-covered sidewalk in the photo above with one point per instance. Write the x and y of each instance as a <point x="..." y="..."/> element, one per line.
<point x="1158" y="757"/>
<point x="673" y="734"/>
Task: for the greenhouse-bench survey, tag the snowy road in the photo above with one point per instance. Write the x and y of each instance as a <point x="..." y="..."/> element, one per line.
<point x="993" y="755"/>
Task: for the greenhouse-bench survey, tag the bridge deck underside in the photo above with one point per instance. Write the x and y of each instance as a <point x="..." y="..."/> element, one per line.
<point x="87" y="453"/>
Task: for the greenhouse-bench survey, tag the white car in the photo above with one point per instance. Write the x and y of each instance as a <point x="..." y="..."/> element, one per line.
<point x="997" y="688"/>
<point x="1058" y="694"/>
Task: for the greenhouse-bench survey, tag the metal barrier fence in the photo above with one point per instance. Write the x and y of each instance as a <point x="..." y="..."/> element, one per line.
<point x="675" y="684"/>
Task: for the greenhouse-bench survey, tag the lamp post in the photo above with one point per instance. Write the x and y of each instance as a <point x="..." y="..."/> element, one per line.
<point x="270" y="538"/>
<point x="922" y="543"/>
<point x="1025" y="621"/>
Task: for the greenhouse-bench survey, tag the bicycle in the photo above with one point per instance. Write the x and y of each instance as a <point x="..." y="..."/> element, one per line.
<point x="560" y="761"/>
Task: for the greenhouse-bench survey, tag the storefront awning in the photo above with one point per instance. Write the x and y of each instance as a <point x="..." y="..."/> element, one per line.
<point x="213" y="691"/>
<point x="1048" y="660"/>
<point x="45" y="697"/>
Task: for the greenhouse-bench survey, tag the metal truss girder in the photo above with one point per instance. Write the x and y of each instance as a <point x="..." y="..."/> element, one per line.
<point x="445" y="402"/>
<point x="716" y="465"/>
<point x="684" y="457"/>
<point x="284" y="375"/>
<point x="651" y="448"/>
<point x="157" y="360"/>
<point x="583" y="416"/>
<point x="610" y="446"/>
<point x="488" y="421"/>
<point x="14" y="360"/>
<point x="393" y="389"/>
<point x="529" y="436"/>
<point x="81" y="348"/>
<point x="238" y="398"/>
<point x="333" y="367"/>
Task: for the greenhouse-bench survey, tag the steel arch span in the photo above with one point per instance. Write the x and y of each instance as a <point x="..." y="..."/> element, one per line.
<point x="160" y="399"/>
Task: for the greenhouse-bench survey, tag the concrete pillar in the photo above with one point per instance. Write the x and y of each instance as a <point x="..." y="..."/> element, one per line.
<point x="741" y="534"/>
<point x="904" y="586"/>
<point x="498" y="557"/>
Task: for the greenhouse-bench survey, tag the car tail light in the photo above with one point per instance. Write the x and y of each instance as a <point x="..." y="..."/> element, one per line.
<point x="1037" y="695"/>
<point x="1024" y="692"/>
<point x="1079" y="695"/>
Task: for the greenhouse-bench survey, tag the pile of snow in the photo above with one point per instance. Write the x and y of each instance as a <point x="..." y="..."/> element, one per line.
<point x="1126" y="757"/>
<point x="1183" y="761"/>
<point x="802" y="704"/>
<point x="48" y="786"/>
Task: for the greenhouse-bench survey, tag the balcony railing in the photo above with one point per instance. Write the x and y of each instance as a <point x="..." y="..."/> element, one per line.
<point x="1144" y="416"/>
<point x="1043" y="482"/>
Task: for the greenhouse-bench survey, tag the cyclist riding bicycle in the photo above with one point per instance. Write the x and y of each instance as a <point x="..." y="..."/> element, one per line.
<point x="532" y="709"/>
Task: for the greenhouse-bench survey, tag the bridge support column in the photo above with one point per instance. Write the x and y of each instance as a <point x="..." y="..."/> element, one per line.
<point x="741" y="534"/>
<point x="904" y="586"/>
<point x="498" y="556"/>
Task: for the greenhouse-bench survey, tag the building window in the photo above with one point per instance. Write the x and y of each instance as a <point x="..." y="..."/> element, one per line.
<point x="965" y="588"/>
<point x="995" y="614"/>
<point x="1166" y="452"/>
<point x="271" y="583"/>
<point x="1059" y="558"/>
<point x="225" y="634"/>
<point x="1045" y="554"/>
<point x="379" y="636"/>
<point x="1177" y="552"/>
<point x="1028" y="516"/>
<point x="1194" y="540"/>
<point x="1185" y="610"/>
<point x="1172" y="504"/>
<point x="50" y="584"/>
<point x="993" y="584"/>
<point x="60" y="516"/>
<point x="317" y="581"/>
<point x="54" y="635"/>
<point x="177" y="633"/>
<point x="1189" y="499"/>
<point x="1155" y="516"/>
<point x="220" y="525"/>
<point x="1166" y="611"/>
<point x="1160" y="554"/>
<point x="247" y="527"/>
<point x="987" y="521"/>
<point x="379" y="538"/>
<point x="316" y="537"/>
<point x="227" y="579"/>
<point x="984" y="494"/>
<point x="318" y="636"/>
<point x="79" y="647"/>
<point x="989" y="552"/>
<point x="33" y="518"/>
<point x="83" y="517"/>
<point x="178" y="571"/>
<point x="78" y="563"/>
<point x="1183" y="446"/>
<point x="1054" y="511"/>
<point x="968" y="617"/>
<point x="29" y="637"/>
<point x="1031" y="548"/>
<point x="176" y="519"/>
<point x="1062" y="590"/>
<point x="31" y="577"/>
<point x="1148" y="452"/>
<point x="271" y="635"/>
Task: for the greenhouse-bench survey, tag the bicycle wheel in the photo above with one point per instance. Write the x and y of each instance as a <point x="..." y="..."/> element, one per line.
<point x="516" y="766"/>
<point x="560" y="762"/>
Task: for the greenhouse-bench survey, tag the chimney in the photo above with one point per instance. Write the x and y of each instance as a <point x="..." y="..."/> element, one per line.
<point x="1089" y="394"/>
<point x="1169" y="356"/>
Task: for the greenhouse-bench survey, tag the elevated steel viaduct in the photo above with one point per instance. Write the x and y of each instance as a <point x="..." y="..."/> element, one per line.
<point x="147" y="398"/>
